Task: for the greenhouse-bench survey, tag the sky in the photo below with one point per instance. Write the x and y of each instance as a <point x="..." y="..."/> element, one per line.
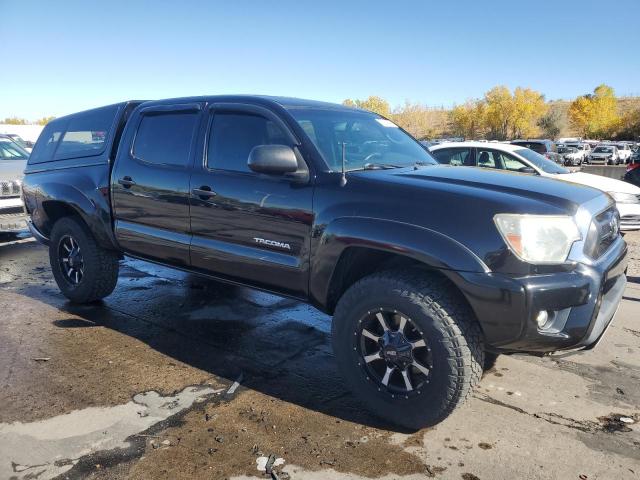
<point x="70" y="55"/>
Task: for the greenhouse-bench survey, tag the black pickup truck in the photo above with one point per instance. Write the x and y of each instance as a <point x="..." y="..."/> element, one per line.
<point x="425" y="268"/>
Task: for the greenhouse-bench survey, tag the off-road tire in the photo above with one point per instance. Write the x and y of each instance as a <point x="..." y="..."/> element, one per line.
<point x="100" y="265"/>
<point x="445" y="319"/>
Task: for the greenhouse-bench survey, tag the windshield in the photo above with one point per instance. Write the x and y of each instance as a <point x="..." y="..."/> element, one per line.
<point x="541" y="162"/>
<point x="567" y="149"/>
<point x="369" y="141"/>
<point x="603" y="150"/>
<point x="9" y="150"/>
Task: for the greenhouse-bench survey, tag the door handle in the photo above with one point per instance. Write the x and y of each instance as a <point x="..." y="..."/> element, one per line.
<point x="126" y="182"/>
<point x="203" y="192"/>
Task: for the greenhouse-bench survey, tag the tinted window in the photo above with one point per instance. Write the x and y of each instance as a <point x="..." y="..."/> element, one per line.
<point x="86" y="133"/>
<point x="165" y="138"/>
<point x="233" y="136"/>
<point x="454" y="156"/>
<point x="47" y="142"/>
<point x="536" y="147"/>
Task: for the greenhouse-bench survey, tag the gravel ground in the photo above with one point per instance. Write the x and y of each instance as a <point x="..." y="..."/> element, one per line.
<point x="175" y="378"/>
<point x="633" y="240"/>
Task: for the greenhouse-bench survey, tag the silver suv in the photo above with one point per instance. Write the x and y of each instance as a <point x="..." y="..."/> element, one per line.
<point x="13" y="160"/>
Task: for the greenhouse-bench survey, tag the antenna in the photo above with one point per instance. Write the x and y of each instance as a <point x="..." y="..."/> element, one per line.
<point x="343" y="178"/>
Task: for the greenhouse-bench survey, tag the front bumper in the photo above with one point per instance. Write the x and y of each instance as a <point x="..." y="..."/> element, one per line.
<point x="13" y="217"/>
<point x="582" y="302"/>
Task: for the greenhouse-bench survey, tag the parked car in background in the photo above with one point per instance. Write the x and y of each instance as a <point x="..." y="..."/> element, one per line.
<point x="582" y="150"/>
<point x="571" y="155"/>
<point x="28" y="146"/>
<point x="604" y="155"/>
<point x="514" y="158"/>
<point x="13" y="160"/>
<point x="624" y="152"/>
<point x="546" y="148"/>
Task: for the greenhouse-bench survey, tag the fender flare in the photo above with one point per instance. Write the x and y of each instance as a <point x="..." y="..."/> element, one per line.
<point x="93" y="208"/>
<point x="424" y="245"/>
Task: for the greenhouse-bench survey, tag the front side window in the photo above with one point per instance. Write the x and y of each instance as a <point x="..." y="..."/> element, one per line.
<point x="233" y="135"/>
<point x="487" y="158"/>
<point x="510" y="163"/>
<point x="366" y="139"/>
<point x="541" y="162"/>
<point x="164" y="138"/>
<point x="86" y="133"/>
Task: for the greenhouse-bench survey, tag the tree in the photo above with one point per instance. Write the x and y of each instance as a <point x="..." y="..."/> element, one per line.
<point x="415" y="119"/>
<point x="528" y="107"/>
<point x="372" y="103"/>
<point x="629" y="126"/>
<point x="499" y="112"/>
<point x="44" y="120"/>
<point x="468" y="120"/>
<point x="551" y="124"/>
<point x="595" y="115"/>
<point x="14" y="121"/>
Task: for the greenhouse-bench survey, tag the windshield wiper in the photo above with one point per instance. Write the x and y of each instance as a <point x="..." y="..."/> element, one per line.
<point x="381" y="166"/>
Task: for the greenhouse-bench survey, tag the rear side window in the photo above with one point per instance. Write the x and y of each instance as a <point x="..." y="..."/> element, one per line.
<point x="165" y="138"/>
<point x="79" y="135"/>
<point x="47" y="142"/>
<point x="86" y="133"/>
<point x="233" y="135"/>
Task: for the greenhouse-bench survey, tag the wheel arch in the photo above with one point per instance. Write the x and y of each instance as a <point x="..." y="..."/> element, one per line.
<point x="351" y="248"/>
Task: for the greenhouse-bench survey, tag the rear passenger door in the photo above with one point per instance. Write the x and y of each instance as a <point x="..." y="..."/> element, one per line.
<point x="250" y="227"/>
<point x="150" y="183"/>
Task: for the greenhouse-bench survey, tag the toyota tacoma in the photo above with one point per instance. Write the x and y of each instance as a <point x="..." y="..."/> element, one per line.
<point x="425" y="268"/>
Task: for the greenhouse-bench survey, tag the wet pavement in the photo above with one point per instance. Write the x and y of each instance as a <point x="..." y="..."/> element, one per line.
<point x="173" y="377"/>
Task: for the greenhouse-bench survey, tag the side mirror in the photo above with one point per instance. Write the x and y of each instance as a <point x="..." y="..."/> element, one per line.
<point x="273" y="159"/>
<point x="526" y="170"/>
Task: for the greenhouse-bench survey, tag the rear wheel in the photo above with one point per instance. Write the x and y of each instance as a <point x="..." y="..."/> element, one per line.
<point x="83" y="270"/>
<point x="408" y="346"/>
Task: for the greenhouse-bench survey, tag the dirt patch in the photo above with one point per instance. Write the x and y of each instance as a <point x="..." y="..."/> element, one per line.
<point x="254" y="425"/>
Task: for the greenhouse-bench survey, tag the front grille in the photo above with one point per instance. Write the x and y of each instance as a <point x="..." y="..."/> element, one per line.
<point x="604" y="230"/>
<point x="9" y="189"/>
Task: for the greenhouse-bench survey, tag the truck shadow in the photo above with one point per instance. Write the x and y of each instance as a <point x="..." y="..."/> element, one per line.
<point x="280" y="346"/>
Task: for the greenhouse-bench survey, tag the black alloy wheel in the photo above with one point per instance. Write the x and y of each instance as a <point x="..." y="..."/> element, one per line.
<point x="394" y="352"/>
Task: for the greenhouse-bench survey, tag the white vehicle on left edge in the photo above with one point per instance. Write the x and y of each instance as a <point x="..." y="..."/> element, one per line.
<point x="13" y="160"/>
<point x="514" y="158"/>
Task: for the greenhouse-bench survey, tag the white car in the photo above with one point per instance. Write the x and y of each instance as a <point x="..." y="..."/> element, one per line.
<point x="515" y="158"/>
<point x="578" y="156"/>
<point x="13" y="160"/>
<point x="624" y="152"/>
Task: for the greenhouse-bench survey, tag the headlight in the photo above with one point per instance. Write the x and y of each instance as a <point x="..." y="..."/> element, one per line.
<point x="539" y="239"/>
<point x="625" y="197"/>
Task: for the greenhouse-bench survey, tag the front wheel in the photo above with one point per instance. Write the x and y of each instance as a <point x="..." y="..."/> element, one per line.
<point x="408" y="346"/>
<point x="84" y="271"/>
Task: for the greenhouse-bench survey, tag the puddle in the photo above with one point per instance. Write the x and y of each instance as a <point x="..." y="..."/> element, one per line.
<point x="51" y="447"/>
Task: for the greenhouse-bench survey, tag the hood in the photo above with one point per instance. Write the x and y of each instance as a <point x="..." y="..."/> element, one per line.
<point x="12" y="169"/>
<point x="504" y="187"/>
<point x="605" y="184"/>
